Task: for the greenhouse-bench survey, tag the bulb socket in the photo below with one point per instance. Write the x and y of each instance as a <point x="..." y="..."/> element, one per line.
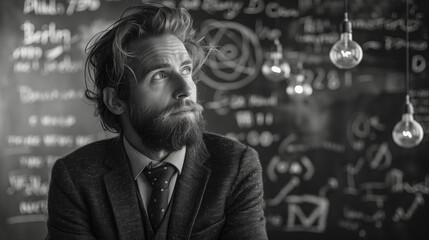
<point x="346" y="26"/>
<point x="408" y="108"/>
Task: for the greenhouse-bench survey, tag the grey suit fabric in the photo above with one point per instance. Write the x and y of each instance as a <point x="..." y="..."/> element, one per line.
<point x="219" y="194"/>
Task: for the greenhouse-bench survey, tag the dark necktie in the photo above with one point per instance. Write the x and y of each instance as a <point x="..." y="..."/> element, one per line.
<point x="159" y="178"/>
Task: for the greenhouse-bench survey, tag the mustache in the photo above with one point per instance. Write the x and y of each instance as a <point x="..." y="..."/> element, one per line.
<point x="183" y="106"/>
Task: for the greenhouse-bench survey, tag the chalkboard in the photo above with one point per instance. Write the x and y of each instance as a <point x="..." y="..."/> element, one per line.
<point x="331" y="169"/>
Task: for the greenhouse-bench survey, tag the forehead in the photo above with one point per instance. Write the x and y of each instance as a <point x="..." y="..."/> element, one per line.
<point x="158" y="48"/>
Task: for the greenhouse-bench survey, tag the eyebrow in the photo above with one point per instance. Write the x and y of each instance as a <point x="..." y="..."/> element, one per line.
<point x="186" y="62"/>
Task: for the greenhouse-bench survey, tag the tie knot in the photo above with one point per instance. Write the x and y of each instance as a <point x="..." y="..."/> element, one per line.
<point x="159" y="177"/>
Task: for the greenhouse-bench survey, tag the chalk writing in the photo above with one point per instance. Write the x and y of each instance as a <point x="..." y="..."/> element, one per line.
<point x="284" y="192"/>
<point x="355" y="214"/>
<point x="317" y="39"/>
<point x="420" y="100"/>
<point x="418" y="63"/>
<point x="287" y="145"/>
<point x="65" y="65"/>
<point x="26" y="66"/>
<point x="27" y="184"/>
<point x="313" y="222"/>
<point x="302" y="167"/>
<point x="264" y="32"/>
<point x="33" y="207"/>
<point x="31" y="162"/>
<point x="64" y="121"/>
<point x="377" y="24"/>
<point x="299" y="220"/>
<point x="48" y="33"/>
<point x="374" y="192"/>
<point x="58" y="140"/>
<point x="222" y="102"/>
<point x="28" y="53"/>
<point x="315" y="25"/>
<point x="406" y="214"/>
<point x="255" y="138"/>
<point x="82" y="5"/>
<point x="321" y="79"/>
<point x="52" y="7"/>
<point x="275" y="10"/>
<point x="254" y="7"/>
<point x="395" y="180"/>
<point x="43" y="7"/>
<point x="394" y="43"/>
<point x="231" y="8"/>
<point x="362" y="127"/>
<point x="379" y="156"/>
<point x="330" y="185"/>
<point x="351" y="171"/>
<point x="81" y="140"/>
<point x="349" y="225"/>
<point x="248" y="119"/>
<point x="61" y="140"/>
<point x="29" y="95"/>
<point x="26" y="140"/>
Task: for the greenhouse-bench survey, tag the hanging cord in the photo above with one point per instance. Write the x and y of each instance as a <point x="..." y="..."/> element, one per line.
<point x="345" y="6"/>
<point x="345" y="10"/>
<point x="407" y="51"/>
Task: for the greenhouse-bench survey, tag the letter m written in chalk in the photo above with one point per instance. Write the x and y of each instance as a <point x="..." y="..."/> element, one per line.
<point x="314" y="221"/>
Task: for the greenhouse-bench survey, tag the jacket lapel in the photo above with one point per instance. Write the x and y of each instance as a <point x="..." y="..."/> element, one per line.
<point x="189" y="191"/>
<point x="122" y="193"/>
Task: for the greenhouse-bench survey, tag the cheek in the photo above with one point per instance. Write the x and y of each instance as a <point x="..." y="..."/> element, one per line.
<point x="194" y="92"/>
<point x="145" y="100"/>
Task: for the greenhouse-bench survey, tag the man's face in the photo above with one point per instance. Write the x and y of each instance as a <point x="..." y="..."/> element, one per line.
<point x="163" y="108"/>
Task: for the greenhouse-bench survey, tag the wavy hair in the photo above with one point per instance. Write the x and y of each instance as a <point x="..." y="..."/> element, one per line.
<point x="109" y="63"/>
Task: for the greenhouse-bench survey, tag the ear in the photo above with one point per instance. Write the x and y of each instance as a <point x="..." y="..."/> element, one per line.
<point x="112" y="102"/>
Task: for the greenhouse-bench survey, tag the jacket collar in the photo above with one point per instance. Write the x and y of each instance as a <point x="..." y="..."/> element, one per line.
<point x="189" y="191"/>
<point x="122" y="192"/>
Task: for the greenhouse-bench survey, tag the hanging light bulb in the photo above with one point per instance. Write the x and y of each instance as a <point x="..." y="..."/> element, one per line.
<point x="408" y="133"/>
<point x="275" y="68"/>
<point x="346" y="53"/>
<point x="298" y="87"/>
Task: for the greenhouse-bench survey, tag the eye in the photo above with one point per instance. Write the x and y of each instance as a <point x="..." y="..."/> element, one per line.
<point x="186" y="70"/>
<point x="159" y="76"/>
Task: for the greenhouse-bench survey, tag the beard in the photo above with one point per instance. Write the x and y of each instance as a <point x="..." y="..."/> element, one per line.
<point x="162" y="130"/>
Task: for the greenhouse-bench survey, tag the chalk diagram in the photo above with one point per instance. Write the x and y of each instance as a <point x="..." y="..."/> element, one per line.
<point x="377" y="192"/>
<point x="239" y="59"/>
<point x="305" y="212"/>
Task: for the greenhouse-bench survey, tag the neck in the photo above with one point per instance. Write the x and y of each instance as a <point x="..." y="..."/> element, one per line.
<point x="155" y="155"/>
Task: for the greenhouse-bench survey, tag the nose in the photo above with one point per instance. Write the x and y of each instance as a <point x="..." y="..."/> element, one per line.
<point x="183" y="87"/>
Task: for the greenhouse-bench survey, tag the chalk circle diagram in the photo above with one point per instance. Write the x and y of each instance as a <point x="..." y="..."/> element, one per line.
<point x="238" y="59"/>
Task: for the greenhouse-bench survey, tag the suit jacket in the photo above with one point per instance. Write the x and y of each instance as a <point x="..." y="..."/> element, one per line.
<point x="219" y="194"/>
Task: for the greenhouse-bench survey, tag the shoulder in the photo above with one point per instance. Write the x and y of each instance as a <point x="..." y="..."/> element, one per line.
<point x="88" y="156"/>
<point x="97" y="148"/>
<point x="228" y="150"/>
<point x="216" y="141"/>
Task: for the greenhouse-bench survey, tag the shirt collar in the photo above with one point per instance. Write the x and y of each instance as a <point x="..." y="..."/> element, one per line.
<point x="139" y="161"/>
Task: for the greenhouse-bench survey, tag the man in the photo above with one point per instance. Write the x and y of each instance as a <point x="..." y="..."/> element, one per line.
<point x="142" y="70"/>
